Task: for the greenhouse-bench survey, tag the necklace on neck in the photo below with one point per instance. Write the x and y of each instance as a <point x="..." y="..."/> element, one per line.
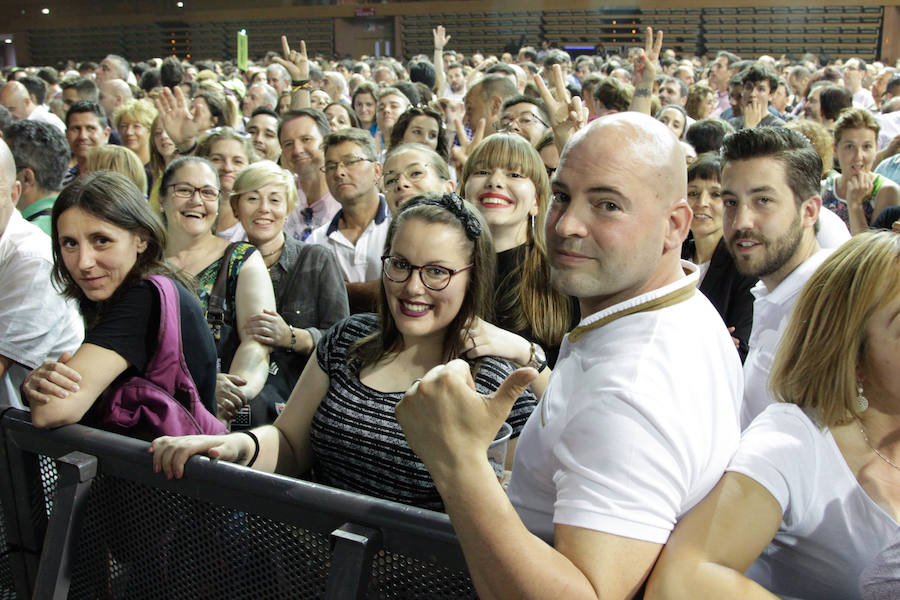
<point x="275" y="251"/>
<point x="874" y="449"/>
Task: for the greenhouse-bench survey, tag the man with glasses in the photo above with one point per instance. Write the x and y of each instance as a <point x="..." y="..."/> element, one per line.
<point x="854" y="71"/>
<point x="525" y="116"/>
<point x="358" y="231"/>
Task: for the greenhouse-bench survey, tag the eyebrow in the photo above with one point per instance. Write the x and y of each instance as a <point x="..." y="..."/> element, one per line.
<point x="415" y="164"/>
<point x="756" y="190"/>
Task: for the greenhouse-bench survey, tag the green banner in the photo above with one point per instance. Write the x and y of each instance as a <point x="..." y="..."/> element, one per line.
<point x="242" y="49"/>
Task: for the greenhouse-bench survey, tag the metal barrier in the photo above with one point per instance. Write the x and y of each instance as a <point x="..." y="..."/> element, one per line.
<point x="84" y="516"/>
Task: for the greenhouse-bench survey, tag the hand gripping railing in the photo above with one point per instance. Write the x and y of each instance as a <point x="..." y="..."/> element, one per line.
<point x="85" y="516"/>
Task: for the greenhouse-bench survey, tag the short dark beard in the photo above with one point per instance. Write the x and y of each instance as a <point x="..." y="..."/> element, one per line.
<point x="778" y="252"/>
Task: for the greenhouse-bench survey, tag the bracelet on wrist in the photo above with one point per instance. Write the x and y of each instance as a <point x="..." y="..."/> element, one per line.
<point x="301" y="85"/>
<point x="642" y="92"/>
<point x="293" y="339"/>
<point x="256" y="444"/>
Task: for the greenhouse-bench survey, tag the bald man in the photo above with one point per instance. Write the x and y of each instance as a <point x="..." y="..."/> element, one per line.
<point x="36" y="323"/>
<point x="22" y="104"/>
<point x="630" y="433"/>
<point x="113" y="94"/>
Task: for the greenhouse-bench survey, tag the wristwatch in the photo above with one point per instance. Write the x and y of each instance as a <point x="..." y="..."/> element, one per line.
<point x="537" y="360"/>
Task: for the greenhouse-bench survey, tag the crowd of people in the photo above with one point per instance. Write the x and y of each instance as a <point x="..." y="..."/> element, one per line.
<point x="673" y="277"/>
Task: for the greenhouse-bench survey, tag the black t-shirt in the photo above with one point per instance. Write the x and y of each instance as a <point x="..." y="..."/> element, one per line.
<point x="130" y="327"/>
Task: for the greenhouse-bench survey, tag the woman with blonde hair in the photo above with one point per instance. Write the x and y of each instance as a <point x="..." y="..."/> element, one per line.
<point x="310" y="295"/>
<point x="229" y="151"/>
<point x="134" y="120"/>
<point x="505" y="178"/>
<point x="813" y="492"/>
<point x="118" y="159"/>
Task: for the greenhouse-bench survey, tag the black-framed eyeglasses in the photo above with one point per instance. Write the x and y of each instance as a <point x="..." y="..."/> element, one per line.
<point x="347" y="163"/>
<point x="186" y="190"/>
<point x="434" y="277"/>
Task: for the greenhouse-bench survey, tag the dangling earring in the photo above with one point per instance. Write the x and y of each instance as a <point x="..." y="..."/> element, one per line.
<point x="862" y="403"/>
<point x="531" y="224"/>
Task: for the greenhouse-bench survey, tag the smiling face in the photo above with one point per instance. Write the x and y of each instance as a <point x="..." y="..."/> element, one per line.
<point x="301" y="143"/>
<point x="262" y="213"/>
<point x="135" y="136"/>
<point x="408" y="174"/>
<point x="421" y="313"/>
<point x="229" y="158"/>
<point x="263" y="130"/>
<point x="85" y="132"/>
<point x="670" y="93"/>
<point x="611" y="213"/>
<point x="195" y="215"/>
<point x="364" y="105"/>
<point x="705" y="199"/>
<point x="97" y="254"/>
<point x="856" y="150"/>
<point x="164" y="144"/>
<point x="674" y="120"/>
<point x="524" y="119"/>
<point x="506" y="198"/>
<point x="422" y="130"/>
<point x="763" y="226"/>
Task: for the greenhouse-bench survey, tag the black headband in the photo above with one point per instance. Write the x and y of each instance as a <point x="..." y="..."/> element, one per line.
<point x="452" y="203"/>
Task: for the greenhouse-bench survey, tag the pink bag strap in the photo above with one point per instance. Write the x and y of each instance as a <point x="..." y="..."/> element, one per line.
<point x="163" y="367"/>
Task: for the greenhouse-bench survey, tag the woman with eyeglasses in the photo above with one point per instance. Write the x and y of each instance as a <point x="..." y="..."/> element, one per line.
<point x="229" y="151"/>
<point x="505" y="178"/>
<point x="413" y="169"/>
<point x="437" y="279"/>
<point x="189" y="201"/>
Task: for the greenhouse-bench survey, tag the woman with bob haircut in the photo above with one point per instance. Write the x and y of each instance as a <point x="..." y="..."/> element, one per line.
<point x="437" y="278"/>
<point x="119" y="159"/>
<point x="133" y="121"/>
<point x="106" y="241"/>
<point x="856" y="194"/>
<point x="505" y="178"/>
<point x="229" y="151"/>
<point x="418" y="125"/>
<point x="310" y="295"/>
<point x="413" y="169"/>
<point x="813" y="492"/>
<point x="340" y="116"/>
<point x="189" y="200"/>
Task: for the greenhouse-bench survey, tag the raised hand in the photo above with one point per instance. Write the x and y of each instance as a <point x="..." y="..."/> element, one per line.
<point x="441" y="39"/>
<point x="567" y="114"/>
<point x="297" y="63"/>
<point x="645" y="67"/>
<point x="460" y="153"/>
<point x="175" y="115"/>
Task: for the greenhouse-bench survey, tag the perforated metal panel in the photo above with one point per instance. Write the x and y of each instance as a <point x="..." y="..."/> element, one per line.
<point x="140" y="542"/>
<point x="7" y="591"/>
<point x="398" y="576"/>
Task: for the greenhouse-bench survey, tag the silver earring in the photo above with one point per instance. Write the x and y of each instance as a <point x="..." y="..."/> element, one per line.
<point x="862" y="403"/>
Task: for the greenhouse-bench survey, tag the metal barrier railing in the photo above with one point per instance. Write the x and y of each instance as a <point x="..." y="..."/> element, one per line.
<point x="84" y="516"/>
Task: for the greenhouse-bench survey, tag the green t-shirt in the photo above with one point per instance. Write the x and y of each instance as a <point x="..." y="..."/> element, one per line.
<point x="39" y="213"/>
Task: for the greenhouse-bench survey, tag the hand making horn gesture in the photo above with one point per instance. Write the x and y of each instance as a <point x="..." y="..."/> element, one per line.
<point x="297" y="63"/>
<point x="567" y="114"/>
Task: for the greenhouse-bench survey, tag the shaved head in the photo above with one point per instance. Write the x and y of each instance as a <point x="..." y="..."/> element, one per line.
<point x="647" y="143"/>
<point x="15" y="97"/>
<point x="9" y="187"/>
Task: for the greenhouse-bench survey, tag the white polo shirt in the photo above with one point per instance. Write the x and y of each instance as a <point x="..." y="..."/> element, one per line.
<point x="771" y="314"/>
<point x="36" y="323"/>
<point x="361" y="261"/>
<point x="638" y="422"/>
